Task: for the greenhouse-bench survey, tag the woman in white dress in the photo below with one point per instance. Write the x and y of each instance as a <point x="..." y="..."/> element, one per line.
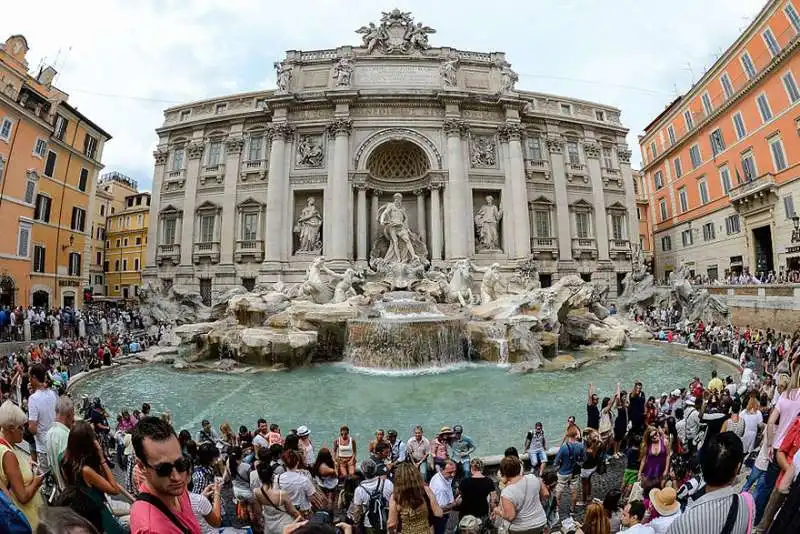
<point x="753" y="421"/>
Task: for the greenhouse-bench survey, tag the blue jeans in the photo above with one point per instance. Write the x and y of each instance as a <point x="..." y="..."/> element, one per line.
<point x="768" y="484"/>
<point x="465" y="470"/>
<point x="755" y="480"/>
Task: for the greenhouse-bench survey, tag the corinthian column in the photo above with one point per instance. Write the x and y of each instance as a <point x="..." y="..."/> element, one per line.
<point x="420" y="194"/>
<point x="338" y="226"/>
<point x="277" y="195"/>
<point x="362" y="230"/>
<point x="458" y="212"/>
<point x="515" y="178"/>
<point x="160" y="155"/>
<point x="436" y="223"/>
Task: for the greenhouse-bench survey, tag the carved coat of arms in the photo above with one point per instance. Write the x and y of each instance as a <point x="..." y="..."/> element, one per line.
<point x="397" y="33"/>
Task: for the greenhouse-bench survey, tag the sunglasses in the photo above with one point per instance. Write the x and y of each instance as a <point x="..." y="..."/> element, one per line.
<point x="181" y="465"/>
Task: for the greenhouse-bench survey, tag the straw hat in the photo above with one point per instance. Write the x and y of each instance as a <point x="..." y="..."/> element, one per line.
<point x="303" y="431"/>
<point x="665" y="501"/>
<point x="445" y="430"/>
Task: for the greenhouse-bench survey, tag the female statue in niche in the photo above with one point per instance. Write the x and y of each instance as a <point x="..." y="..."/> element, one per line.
<point x="308" y="227"/>
<point x="487" y="222"/>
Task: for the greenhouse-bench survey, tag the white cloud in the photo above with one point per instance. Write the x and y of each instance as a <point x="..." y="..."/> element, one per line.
<point x="628" y="53"/>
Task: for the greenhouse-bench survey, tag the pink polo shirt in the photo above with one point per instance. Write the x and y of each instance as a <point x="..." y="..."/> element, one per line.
<point x="147" y="519"/>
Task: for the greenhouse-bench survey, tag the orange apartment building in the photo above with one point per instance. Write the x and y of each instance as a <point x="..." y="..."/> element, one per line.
<point x="51" y="158"/>
<point x="720" y="163"/>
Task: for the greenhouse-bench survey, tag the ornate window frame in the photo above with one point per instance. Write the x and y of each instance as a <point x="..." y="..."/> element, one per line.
<point x="542" y="204"/>
<point x="205" y="209"/>
<point x="617" y="209"/>
<point x="249" y="206"/>
<point x="582" y="206"/>
<point x="169" y="212"/>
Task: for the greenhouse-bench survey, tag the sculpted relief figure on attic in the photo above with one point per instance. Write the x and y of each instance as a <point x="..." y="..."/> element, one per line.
<point x="397" y="33"/>
<point x="310" y="152"/>
<point x="342" y="71"/>
<point x="283" y="71"/>
<point x="484" y="152"/>
<point x="448" y="71"/>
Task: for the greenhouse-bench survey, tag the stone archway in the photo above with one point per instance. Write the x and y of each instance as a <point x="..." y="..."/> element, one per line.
<point x="8" y="291"/>
<point x="378" y="139"/>
<point x="40" y="299"/>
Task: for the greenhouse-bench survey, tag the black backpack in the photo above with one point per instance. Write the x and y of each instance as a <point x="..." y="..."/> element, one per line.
<point x="378" y="508"/>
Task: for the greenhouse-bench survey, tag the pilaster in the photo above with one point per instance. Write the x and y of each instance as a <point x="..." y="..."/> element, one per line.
<point x="592" y="151"/>
<point x="510" y="134"/>
<point x="362" y="228"/>
<point x="555" y="146"/>
<point x="338" y="227"/>
<point x="233" y="151"/>
<point x="277" y="197"/>
<point x="160" y="155"/>
<point x="624" y="158"/>
<point x="459" y="216"/>
<point x="194" y="151"/>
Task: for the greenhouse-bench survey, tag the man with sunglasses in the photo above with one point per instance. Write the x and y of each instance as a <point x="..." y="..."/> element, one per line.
<point x="163" y="505"/>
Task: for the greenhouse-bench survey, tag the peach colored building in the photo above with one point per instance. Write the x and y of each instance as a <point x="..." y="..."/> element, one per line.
<point x="720" y="163"/>
<point x="50" y="156"/>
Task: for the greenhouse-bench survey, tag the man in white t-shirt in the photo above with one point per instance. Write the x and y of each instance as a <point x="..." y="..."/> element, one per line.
<point x="41" y="412"/>
<point x="362" y="494"/>
<point x="260" y="439"/>
<point x="442" y="487"/>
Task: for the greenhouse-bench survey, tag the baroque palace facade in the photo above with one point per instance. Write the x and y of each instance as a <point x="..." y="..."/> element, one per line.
<point x="249" y="188"/>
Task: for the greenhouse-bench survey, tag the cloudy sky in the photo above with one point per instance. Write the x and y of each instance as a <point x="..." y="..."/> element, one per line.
<point x="124" y="61"/>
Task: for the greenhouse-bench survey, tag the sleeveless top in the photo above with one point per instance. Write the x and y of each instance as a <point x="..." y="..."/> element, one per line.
<point x="345" y="451"/>
<point x="414" y="521"/>
<point x="736" y="427"/>
<point x="30" y="508"/>
<point x="275" y="516"/>
<point x="654" y="465"/>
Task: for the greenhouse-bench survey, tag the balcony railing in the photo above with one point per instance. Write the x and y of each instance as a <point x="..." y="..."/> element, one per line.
<point x="249" y="249"/>
<point x="171" y="253"/>
<point x="253" y="168"/>
<point x="214" y="170"/>
<point x="609" y="171"/>
<point x="620" y="245"/>
<point x="176" y="175"/>
<point x="256" y="164"/>
<point x="206" y="250"/>
<point x="763" y="183"/>
<point x="582" y="243"/>
<point x="577" y="167"/>
<point x="545" y="243"/>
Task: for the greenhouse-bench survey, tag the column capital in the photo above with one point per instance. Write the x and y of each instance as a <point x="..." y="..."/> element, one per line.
<point x="455" y="127"/>
<point x="555" y="143"/>
<point x="340" y="127"/>
<point x="234" y="145"/>
<point x="195" y="150"/>
<point x="280" y="131"/>
<point x="360" y="186"/>
<point x="419" y="191"/>
<point x="435" y="186"/>
<point x="592" y="149"/>
<point x="509" y="131"/>
<point x="624" y="154"/>
<point x="160" y="156"/>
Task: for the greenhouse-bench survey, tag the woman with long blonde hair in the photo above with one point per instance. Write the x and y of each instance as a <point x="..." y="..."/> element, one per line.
<point x="413" y="506"/>
<point x="595" y="520"/>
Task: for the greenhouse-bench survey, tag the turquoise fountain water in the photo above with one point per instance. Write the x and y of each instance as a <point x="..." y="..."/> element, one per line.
<point x="496" y="408"/>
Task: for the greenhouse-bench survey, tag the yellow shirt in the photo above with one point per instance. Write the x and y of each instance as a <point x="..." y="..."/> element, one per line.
<point x="31" y="508"/>
<point x="715" y="384"/>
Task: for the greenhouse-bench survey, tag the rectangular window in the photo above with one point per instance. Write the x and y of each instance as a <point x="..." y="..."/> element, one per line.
<point x="74" y="264"/>
<point x="256" y="146"/>
<point x="653" y="151"/>
<point x="725" y="178"/>
<point x="119" y="242"/>
<point x="663" y="207"/>
<point x="659" y="179"/>
<point x="542" y="220"/>
<point x="666" y="243"/>
<point x="707" y="103"/>
<point x="694" y="154"/>
<point x="600" y="115"/>
<point x="40" y="147"/>
<point x="249" y="226"/>
<point x="98" y="258"/>
<point x="708" y="232"/>
<point x="788" y="206"/>
<point x="717" y="142"/>
<point x="60" y="128"/>
<point x="791" y="87"/>
<point x="683" y="196"/>
<point x="78" y="221"/>
<point x="749" y="67"/>
<point x="23" y="239"/>
<point x="608" y="160"/>
<point x="778" y="156"/>
<point x="84" y="179"/>
<point x="687" y="118"/>
<point x="793" y="17"/>
<point x="727" y="86"/>
<point x="102" y="210"/>
<point x="617" y="225"/>
<point x="676" y="163"/>
<point x="125" y="242"/>
<point x="566" y="109"/>
<point x="38" y="258"/>
<point x="136" y="264"/>
<point x="138" y="241"/>
<point x="124" y="265"/>
<point x="763" y="107"/>
<point x="139" y="220"/>
<point x="573" y="153"/>
<point x="169" y="231"/>
<point x="206" y="228"/>
<point x="702" y="187"/>
<point x="185" y="114"/>
<point x="772" y="43"/>
<point x="90" y="146"/>
<point x="535" y="148"/>
<point x="220" y="108"/>
<point x="5" y="128"/>
<point x="686" y="238"/>
<point x="738" y="124"/>
<point x="748" y="166"/>
<point x="116" y="265"/>
<point x="177" y="159"/>
<point x="582" y="224"/>
<point x="30" y="189"/>
<point x="50" y="164"/>
<point x="732" y="224"/>
<point x="671" y="134"/>
<point x="42" y="211"/>
<point x="214" y="153"/>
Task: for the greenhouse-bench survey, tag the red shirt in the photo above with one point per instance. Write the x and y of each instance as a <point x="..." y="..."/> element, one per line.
<point x="147" y="519"/>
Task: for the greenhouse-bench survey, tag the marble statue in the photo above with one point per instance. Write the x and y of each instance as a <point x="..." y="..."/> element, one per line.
<point x="448" y="71"/>
<point x="493" y="284"/>
<point x="394" y="219"/>
<point x="460" y="284"/>
<point x="507" y="79"/>
<point x="344" y="287"/>
<point x="309" y="152"/>
<point x="487" y="223"/>
<point x="372" y="36"/>
<point x="284" y="74"/>
<point x="342" y="71"/>
<point x="308" y="227"/>
<point x="417" y="36"/>
<point x="396" y="33"/>
<point x="483" y="152"/>
<point x="315" y="287"/>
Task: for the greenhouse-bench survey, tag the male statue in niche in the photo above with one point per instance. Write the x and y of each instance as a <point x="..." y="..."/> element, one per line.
<point x="487" y="222"/>
<point x="394" y="219"/>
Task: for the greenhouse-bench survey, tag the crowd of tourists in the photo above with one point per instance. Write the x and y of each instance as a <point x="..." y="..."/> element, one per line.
<point x="66" y="322"/>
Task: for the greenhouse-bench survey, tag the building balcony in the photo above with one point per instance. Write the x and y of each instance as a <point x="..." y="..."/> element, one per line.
<point x="753" y="191"/>
<point x="584" y="246"/>
<point x="576" y="167"/>
<point x="247" y="250"/>
<point x="253" y="170"/>
<point x="545" y="246"/>
<point x="169" y="253"/>
<point x="537" y="166"/>
<point x="206" y="251"/>
<point x="213" y="170"/>
<point x="619" y="247"/>
<point x="179" y="174"/>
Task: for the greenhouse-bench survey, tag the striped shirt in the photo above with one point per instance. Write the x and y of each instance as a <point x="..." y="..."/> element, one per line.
<point x="707" y="515"/>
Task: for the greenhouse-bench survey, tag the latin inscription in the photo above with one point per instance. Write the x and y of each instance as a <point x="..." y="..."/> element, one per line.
<point x="392" y="75"/>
